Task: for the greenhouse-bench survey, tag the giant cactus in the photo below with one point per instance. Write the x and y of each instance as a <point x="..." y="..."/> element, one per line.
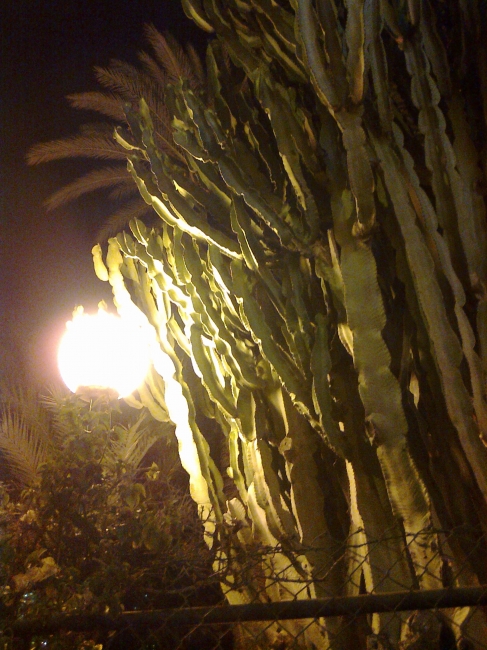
<point x="318" y="281"/>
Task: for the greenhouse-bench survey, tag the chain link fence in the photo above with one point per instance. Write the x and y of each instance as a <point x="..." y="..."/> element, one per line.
<point x="279" y="606"/>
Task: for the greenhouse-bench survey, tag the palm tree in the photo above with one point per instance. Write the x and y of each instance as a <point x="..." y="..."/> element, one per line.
<point x="27" y="434"/>
<point x="33" y="428"/>
<point x="125" y="84"/>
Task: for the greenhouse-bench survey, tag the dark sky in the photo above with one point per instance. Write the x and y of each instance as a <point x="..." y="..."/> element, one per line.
<point x="48" y="50"/>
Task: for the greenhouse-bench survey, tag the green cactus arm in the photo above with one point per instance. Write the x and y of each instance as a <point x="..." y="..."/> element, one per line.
<point x="378" y="62"/>
<point x="370" y="517"/>
<point x="294" y="148"/>
<point x="281" y="19"/>
<point x="270" y="494"/>
<point x="445" y="346"/>
<point x="182" y="202"/>
<point x="213" y="203"/>
<point x="473" y="228"/>
<point x="212" y="315"/>
<point x="253" y="253"/>
<point x="380" y="392"/>
<point x="206" y="369"/>
<point x="262" y="332"/>
<point x="321" y="536"/>
<point x="264" y="206"/>
<point x="223" y="284"/>
<point x="295" y="326"/>
<point x="241" y="53"/>
<point x="205" y="478"/>
<point x="195" y="227"/>
<point x="194" y="10"/>
<point x="217" y="99"/>
<point x="366" y="489"/>
<point x="359" y="169"/>
<point x="298" y="271"/>
<point x="155" y="409"/>
<point x="179" y="336"/>
<point x="434" y="49"/>
<point x="467" y="336"/>
<point x="355" y="36"/>
<point x="193" y="448"/>
<point x="320" y="71"/>
<point x="238" y="152"/>
<point x="439" y="155"/>
<point x="156" y="385"/>
<point x="261" y="141"/>
<point x="101" y="270"/>
<point x="333" y="45"/>
<point x="327" y="268"/>
<point x="322" y="400"/>
<point x="350" y="122"/>
<point x="273" y="48"/>
<point x="234" y="454"/>
<point x="210" y="179"/>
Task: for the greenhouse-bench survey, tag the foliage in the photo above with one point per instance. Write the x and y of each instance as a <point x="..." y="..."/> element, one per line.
<point x="27" y="434"/>
<point x="98" y="532"/>
<point x="122" y="84"/>
<point x="317" y="285"/>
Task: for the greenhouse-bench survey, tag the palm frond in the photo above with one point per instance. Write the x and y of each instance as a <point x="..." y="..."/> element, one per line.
<point x="23" y="398"/>
<point x="53" y="401"/>
<point x="54" y="396"/>
<point x="108" y="104"/>
<point x="135" y="441"/>
<point x="124" y="79"/>
<point x="24" y="445"/>
<point x="97" y="179"/>
<point x="132" y="84"/>
<point x="172" y="57"/>
<point x="119" y="220"/>
<point x="196" y="63"/>
<point x="123" y="191"/>
<point x="153" y="69"/>
<point x="99" y="146"/>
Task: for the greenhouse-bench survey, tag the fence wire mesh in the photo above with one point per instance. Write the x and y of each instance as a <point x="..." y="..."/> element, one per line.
<point x="383" y="594"/>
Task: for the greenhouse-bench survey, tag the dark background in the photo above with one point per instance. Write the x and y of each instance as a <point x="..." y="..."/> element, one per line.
<point x="48" y="50"/>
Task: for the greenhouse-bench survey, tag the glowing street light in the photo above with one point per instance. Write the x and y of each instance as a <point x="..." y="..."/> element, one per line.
<point x="103" y="351"/>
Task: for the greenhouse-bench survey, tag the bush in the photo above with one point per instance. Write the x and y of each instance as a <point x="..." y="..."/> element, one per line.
<point x="96" y="532"/>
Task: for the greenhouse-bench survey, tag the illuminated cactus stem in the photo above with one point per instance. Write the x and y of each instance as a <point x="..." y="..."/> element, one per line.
<point x="318" y="281"/>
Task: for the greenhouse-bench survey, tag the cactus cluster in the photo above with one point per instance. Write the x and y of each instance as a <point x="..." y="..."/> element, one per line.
<point x="318" y="283"/>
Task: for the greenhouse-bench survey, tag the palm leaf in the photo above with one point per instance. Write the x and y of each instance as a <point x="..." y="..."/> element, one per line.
<point x="107" y="177"/>
<point x="196" y="62"/>
<point x="153" y="68"/>
<point x="132" y="85"/>
<point x="100" y="146"/>
<point x="123" y="192"/>
<point x="23" y="449"/>
<point x="23" y="398"/>
<point x="172" y="57"/>
<point x="26" y="434"/>
<point x="125" y="79"/>
<point x="119" y="220"/>
<point x="135" y="441"/>
<point x="108" y="104"/>
<point x="128" y="84"/>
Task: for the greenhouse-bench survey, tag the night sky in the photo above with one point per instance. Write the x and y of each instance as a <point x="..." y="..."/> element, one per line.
<point x="48" y="50"/>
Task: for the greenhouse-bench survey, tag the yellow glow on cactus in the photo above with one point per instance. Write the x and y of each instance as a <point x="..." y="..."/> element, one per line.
<point x="103" y="350"/>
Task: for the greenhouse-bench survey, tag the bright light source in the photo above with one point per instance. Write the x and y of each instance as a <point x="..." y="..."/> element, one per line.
<point x="103" y="351"/>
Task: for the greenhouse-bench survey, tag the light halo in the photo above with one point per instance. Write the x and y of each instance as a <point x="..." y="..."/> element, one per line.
<point x="104" y="351"/>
